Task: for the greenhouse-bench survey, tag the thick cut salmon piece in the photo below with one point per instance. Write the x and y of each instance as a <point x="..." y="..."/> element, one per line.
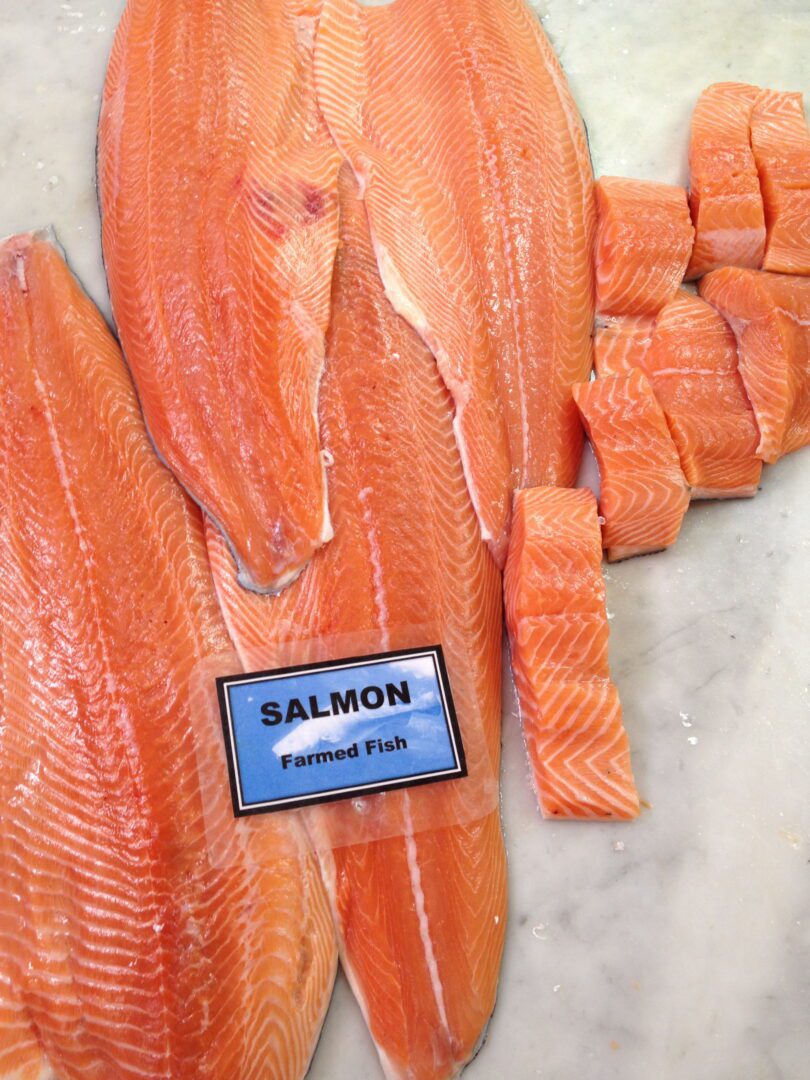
<point x="643" y="493"/>
<point x="421" y="914"/>
<point x="141" y="935"/>
<point x="692" y="365"/>
<point x="558" y="632"/>
<point x="770" y="317"/>
<point x="217" y="183"/>
<point x="620" y="342"/>
<point x="781" y="144"/>
<point x="643" y="244"/>
<point x="724" y="193"/>
<point x="460" y="126"/>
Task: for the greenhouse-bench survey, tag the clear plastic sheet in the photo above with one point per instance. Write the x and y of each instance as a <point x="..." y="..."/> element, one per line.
<point x="353" y="820"/>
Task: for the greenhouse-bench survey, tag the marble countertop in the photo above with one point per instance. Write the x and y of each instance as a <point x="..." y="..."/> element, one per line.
<point x="676" y="947"/>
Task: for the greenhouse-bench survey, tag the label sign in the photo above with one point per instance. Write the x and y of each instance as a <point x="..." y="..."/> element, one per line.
<point x="340" y="729"/>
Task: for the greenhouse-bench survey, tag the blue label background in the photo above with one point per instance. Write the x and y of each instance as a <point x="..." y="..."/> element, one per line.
<point x="421" y="723"/>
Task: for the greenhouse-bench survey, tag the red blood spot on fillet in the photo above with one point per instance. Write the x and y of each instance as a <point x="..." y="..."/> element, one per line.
<point x="314" y="202"/>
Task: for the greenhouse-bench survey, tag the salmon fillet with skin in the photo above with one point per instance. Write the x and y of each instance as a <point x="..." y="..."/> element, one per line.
<point x="474" y="166"/>
<point x="643" y="244"/>
<point x="558" y="632"/>
<point x="724" y="193"/>
<point x="693" y="367"/>
<point x="770" y="317"/>
<point x="781" y="144"/>
<point x="127" y="949"/>
<point x="217" y="185"/>
<point x="643" y="494"/>
<point x="621" y="342"/>
<point x="421" y="911"/>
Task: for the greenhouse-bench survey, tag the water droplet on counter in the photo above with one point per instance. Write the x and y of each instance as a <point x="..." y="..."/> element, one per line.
<point x="618" y="845"/>
<point x="539" y="931"/>
<point x="686" y="719"/>
<point x="40" y="165"/>
<point x="692" y="740"/>
<point x="557" y="987"/>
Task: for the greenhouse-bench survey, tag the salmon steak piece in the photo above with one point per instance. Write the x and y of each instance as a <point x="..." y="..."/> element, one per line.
<point x="643" y="244"/>
<point x="141" y="935"/>
<point x="474" y="167"/>
<point x="620" y="343"/>
<point x="558" y="631"/>
<point x="770" y="317"/>
<point x="420" y="912"/>
<point x="643" y="493"/>
<point x="217" y="185"/>
<point x="692" y="365"/>
<point x="781" y="144"/>
<point x="724" y="193"/>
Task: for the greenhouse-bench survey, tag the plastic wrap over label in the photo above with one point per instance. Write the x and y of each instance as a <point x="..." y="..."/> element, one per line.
<point x="339" y="729"/>
<point x="463" y="736"/>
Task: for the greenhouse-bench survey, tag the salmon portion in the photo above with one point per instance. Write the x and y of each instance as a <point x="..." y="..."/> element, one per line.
<point x="558" y="632"/>
<point x="692" y="365"/>
<point x="421" y="911"/>
<point x="724" y="193"/>
<point x="474" y="167"/>
<point x="770" y="317"/>
<point x="217" y="183"/>
<point x="620" y="343"/>
<point x="643" y="244"/>
<point x="781" y="144"/>
<point x="643" y="492"/>
<point x="127" y="949"/>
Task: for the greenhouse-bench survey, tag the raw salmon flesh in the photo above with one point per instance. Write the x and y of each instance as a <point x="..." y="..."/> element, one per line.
<point x="420" y="915"/>
<point x="643" y="494"/>
<point x="558" y="631"/>
<point x="126" y="950"/>
<point x="692" y="365"/>
<point x="473" y="163"/>
<point x="724" y="193"/>
<point x="219" y="214"/>
<point x="643" y="244"/>
<point x="781" y="145"/>
<point x="770" y="317"/>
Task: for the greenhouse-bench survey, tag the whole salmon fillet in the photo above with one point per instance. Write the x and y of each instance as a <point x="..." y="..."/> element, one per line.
<point x="421" y="911"/>
<point x="219" y="224"/>
<point x="141" y="935"/>
<point x="473" y="163"/>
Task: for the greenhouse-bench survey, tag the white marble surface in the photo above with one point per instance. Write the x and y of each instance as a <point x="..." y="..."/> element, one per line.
<point x="676" y="947"/>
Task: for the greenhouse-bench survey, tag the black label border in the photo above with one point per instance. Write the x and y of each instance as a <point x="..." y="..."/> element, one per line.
<point x="340" y="794"/>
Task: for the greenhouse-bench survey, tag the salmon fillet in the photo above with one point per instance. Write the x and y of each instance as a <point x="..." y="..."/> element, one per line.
<point x="421" y="912"/>
<point x="558" y="632"/>
<point x="781" y="144"/>
<point x="692" y="365"/>
<point x="770" y="317"/>
<point x="643" y="244"/>
<point x="643" y="493"/>
<point x="474" y="166"/>
<point x="127" y="949"/>
<point x="621" y="342"/>
<point x="724" y="193"/>
<point x="217" y="184"/>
